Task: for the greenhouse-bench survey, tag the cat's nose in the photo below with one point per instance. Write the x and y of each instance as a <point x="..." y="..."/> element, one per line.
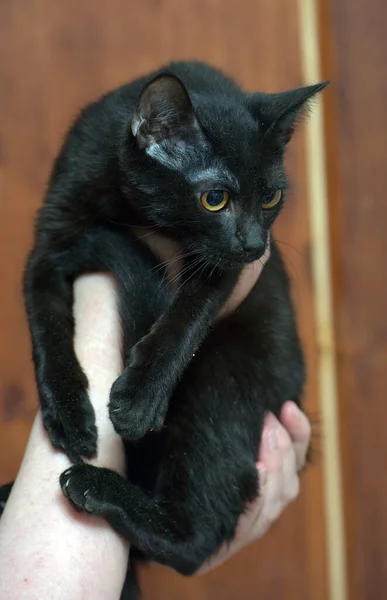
<point x="257" y="248"/>
<point x="253" y="245"/>
<point x="253" y="242"/>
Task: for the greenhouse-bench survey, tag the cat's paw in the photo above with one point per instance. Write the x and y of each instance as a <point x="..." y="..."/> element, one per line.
<point x="93" y="489"/>
<point x="83" y="486"/>
<point x="138" y="403"/>
<point x="72" y="427"/>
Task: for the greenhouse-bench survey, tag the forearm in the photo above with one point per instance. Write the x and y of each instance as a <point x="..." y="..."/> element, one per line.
<point x="46" y="549"/>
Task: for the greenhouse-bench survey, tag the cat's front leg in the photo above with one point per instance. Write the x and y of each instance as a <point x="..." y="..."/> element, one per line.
<point x="140" y="396"/>
<point x="67" y="413"/>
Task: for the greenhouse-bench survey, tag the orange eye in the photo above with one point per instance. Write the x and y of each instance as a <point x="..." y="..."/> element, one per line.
<point x="276" y="198"/>
<point x="214" y="200"/>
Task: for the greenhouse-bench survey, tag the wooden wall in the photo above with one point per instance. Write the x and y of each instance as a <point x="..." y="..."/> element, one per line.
<point x="354" y="52"/>
<point x="56" y="56"/>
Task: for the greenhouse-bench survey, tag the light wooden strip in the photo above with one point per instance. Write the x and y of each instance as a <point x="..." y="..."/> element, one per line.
<point x="318" y="211"/>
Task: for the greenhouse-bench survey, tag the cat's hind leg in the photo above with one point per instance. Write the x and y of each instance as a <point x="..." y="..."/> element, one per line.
<point x="163" y="533"/>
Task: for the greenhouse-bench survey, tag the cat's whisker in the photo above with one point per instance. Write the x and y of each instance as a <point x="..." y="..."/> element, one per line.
<point x="185" y="270"/>
<point x="181" y="273"/>
<point x="173" y="259"/>
<point x="123" y="224"/>
<point x="205" y="265"/>
<point x="288" y="246"/>
<point x="170" y="261"/>
<point x="214" y="268"/>
<point x="144" y="236"/>
<point x="293" y="276"/>
<point x="200" y="267"/>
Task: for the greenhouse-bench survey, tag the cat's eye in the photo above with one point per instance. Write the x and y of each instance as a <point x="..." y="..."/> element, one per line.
<point x="214" y="200"/>
<point x="275" y="199"/>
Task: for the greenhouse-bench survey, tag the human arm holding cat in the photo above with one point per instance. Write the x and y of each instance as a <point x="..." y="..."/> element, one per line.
<point x="44" y="550"/>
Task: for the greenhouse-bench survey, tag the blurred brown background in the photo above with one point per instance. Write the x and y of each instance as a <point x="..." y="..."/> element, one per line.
<point x="55" y="57"/>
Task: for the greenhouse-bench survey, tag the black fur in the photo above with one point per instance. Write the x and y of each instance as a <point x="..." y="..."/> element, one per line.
<point x="192" y="398"/>
<point x="5" y="491"/>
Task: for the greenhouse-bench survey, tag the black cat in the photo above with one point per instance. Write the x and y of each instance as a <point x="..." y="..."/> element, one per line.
<point x="186" y="152"/>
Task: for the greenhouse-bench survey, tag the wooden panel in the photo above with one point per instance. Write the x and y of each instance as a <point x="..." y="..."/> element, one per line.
<point x="59" y="56"/>
<point x="355" y="51"/>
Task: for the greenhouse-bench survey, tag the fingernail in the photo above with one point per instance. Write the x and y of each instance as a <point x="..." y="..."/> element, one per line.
<point x="272" y="439"/>
<point x="295" y="411"/>
<point x="262" y="475"/>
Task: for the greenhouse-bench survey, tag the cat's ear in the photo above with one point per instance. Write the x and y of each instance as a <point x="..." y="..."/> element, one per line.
<point x="164" y="113"/>
<point x="279" y="114"/>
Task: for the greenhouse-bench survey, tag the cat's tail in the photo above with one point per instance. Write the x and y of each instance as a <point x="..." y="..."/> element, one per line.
<point x="5" y="491"/>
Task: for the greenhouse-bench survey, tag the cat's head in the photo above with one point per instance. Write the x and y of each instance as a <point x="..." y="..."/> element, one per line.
<point x="210" y="166"/>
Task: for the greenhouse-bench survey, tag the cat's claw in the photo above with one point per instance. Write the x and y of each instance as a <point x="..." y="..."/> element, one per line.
<point x="92" y="489"/>
<point x="72" y="429"/>
<point x="79" y="484"/>
<point x="73" y="432"/>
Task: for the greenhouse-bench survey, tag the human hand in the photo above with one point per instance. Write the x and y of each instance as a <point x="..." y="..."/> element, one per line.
<point x="282" y="454"/>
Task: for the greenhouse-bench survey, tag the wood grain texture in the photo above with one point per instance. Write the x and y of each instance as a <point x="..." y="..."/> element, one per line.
<point x="57" y="56"/>
<point x="355" y="51"/>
